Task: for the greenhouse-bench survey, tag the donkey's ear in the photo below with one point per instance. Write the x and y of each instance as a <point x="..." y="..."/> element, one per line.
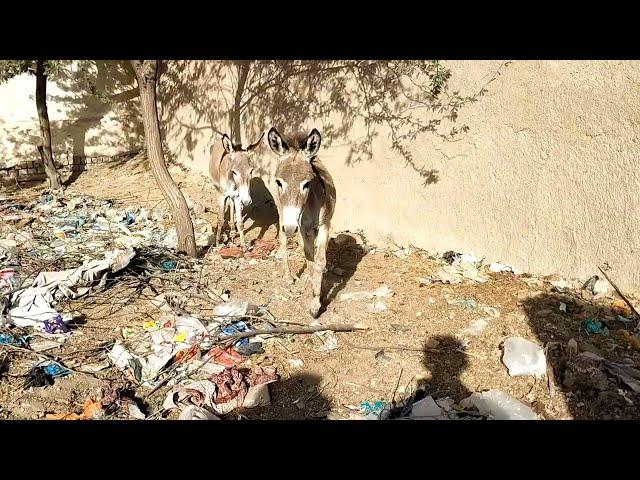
<point x="313" y="143"/>
<point x="227" y="144"/>
<point x="277" y="144"/>
<point x="254" y="145"/>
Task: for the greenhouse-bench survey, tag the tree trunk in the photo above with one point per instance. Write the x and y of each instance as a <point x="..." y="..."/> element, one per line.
<point x="243" y="72"/>
<point x="147" y="74"/>
<point x="45" y="129"/>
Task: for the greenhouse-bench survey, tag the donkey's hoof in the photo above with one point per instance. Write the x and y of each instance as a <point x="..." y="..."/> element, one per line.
<point x="315" y="307"/>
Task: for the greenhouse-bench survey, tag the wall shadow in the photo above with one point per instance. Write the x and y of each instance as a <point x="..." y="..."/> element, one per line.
<point x="590" y="391"/>
<point x="263" y="212"/>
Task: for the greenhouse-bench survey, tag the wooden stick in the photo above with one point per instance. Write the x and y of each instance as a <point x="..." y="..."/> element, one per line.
<point x="294" y="331"/>
<point x="622" y="296"/>
<point x="393" y="347"/>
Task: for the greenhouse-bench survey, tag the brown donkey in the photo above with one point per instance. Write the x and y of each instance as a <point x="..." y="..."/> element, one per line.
<point x="306" y="199"/>
<point x="232" y="174"/>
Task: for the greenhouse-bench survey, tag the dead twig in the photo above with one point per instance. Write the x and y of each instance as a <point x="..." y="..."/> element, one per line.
<point x="294" y="331"/>
<point x="393" y="347"/>
<point x="622" y="296"/>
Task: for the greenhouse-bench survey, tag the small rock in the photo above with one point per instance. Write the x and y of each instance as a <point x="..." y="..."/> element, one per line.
<point x="378" y="307"/>
<point x="431" y="343"/>
<point x="396" y="327"/>
<point x="543" y="313"/>
<point x="230" y="252"/>
<point x="423" y="281"/>
<point x="476" y="327"/>
<point x="563" y="307"/>
<point x="572" y="346"/>
<point x="418" y="314"/>
<point x="382" y="357"/>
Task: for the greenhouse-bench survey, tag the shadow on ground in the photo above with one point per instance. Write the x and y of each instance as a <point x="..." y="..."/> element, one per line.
<point x="589" y="390"/>
<point x="298" y="397"/>
<point x="344" y="254"/>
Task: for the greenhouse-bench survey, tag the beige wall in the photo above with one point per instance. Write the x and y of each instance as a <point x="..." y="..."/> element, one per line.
<point x="545" y="179"/>
<point x="81" y="122"/>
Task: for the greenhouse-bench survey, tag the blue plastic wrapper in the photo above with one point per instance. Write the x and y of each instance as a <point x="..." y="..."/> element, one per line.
<point x="129" y="218"/>
<point x="8" y="339"/>
<point x="237" y="327"/>
<point x="54" y="370"/>
<point x="169" y="264"/>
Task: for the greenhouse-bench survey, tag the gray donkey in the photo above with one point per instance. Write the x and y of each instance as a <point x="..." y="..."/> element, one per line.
<point x="306" y="199"/>
<point x="232" y="174"/>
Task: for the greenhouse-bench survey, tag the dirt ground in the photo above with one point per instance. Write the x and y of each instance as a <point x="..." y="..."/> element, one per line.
<point x="318" y="384"/>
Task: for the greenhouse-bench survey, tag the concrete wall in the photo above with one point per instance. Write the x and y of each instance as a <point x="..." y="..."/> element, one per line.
<point x="546" y="178"/>
<point x="92" y="108"/>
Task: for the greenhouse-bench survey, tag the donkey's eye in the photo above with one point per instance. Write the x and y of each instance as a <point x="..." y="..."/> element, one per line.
<point x="235" y="174"/>
<point x="305" y="185"/>
<point x="279" y="183"/>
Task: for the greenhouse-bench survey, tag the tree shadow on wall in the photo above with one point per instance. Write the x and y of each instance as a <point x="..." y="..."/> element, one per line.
<point x="89" y="91"/>
<point x="402" y="98"/>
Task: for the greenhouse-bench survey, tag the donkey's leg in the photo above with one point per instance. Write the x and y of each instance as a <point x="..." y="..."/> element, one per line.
<point x="319" y="264"/>
<point x="285" y="257"/>
<point x="239" y="220"/>
<point x="308" y="237"/>
<point x="232" y="222"/>
<point x="222" y="201"/>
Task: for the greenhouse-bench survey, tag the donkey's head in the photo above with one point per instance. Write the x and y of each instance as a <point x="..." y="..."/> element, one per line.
<point x="294" y="175"/>
<point x="240" y="165"/>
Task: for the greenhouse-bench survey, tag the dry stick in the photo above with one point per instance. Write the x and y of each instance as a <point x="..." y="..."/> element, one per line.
<point x="622" y="296"/>
<point x="550" y="375"/>
<point x="393" y="347"/>
<point x="395" y="390"/>
<point x="295" y="331"/>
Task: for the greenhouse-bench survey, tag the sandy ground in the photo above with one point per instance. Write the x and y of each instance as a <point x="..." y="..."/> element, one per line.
<point x="320" y="384"/>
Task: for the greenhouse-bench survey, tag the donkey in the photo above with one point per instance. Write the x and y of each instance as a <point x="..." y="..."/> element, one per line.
<point x="232" y="174"/>
<point x="306" y="199"/>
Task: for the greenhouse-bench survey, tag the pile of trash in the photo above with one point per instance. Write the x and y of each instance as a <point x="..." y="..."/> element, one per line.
<point x="78" y="226"/>
<point x="65" y="246"/>
<point x="199" y="358"/>
<point x="488" y="405"/>
<point x="459" y="267"/>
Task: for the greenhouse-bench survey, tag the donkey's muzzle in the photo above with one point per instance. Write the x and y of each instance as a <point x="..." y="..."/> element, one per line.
<point x="290" y="230"/>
